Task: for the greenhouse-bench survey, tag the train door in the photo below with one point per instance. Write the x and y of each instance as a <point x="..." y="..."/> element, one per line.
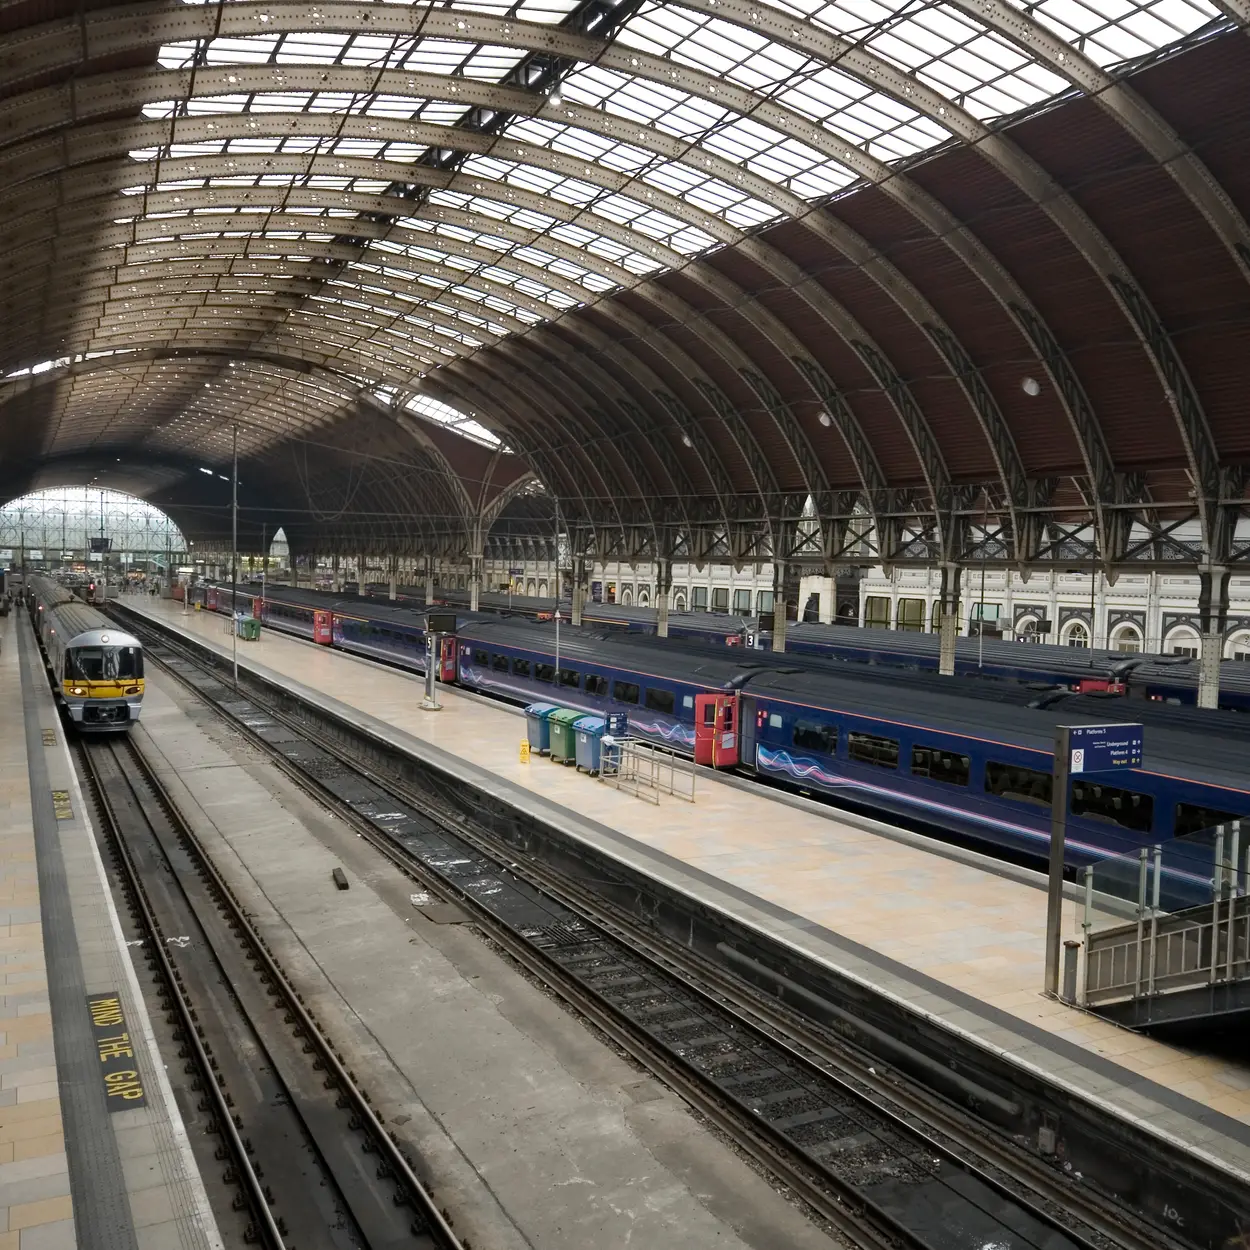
<point x="746" y="730"/>
<point x="323" y="627"/>
<point x="716" y="729"/>
<point x="447" y="658"/>
<point x="258" y="608"/>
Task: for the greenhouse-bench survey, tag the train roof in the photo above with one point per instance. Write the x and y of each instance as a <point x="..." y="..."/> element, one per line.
<point x="77" y="623"/>
<point x="1218" y="752"/>
<point x="1203" y="744"/>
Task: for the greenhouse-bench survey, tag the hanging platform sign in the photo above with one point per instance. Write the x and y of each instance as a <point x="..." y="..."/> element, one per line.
<point x="1105" y="748"/>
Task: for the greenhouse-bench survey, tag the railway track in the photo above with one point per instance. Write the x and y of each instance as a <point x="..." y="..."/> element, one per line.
<point x="885" y="1163"/>
<point x="312" y="1163"/>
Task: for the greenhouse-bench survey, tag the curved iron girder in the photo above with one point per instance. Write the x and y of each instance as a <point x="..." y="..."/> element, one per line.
<point x="1117" y="97"/>
<point x="413" y="428"/>
<point x="624" y="451"/>
<point x="457" y="26"/>
<point x="693" y="437"/>
<point x="462" y="392"/>
<point x="595" y="381"/>
<point x="209" y="167"/>
<point x="533" y="424"/>
<point x="825" y="226"/>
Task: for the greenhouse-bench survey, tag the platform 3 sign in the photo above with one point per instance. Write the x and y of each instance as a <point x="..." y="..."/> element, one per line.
<point x="115" y="1050"/>
<point x="1105" y="748"/>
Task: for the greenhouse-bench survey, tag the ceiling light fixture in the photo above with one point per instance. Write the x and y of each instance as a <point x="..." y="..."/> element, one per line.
<point x="825" y="419"/>
<point x="1031" y="386"/>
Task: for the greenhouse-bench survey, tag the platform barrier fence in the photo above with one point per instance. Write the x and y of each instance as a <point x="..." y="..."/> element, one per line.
<point x="1170" y="916"/>
<point x="648" y="771"/>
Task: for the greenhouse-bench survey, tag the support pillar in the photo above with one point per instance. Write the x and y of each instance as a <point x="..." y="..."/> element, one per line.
<point x="948" y="627"/>
<point x="1212" y="618"/>
<point x="579" y="590"/>
<point x="360" y="575"/>
<point x="336" y="576"/>
<point x="785" y="601"/>
<point x="393" y="590"/>
<point x="475" y="581"/>
<point x="663" y="584"/>
<point x="429" y="581"/>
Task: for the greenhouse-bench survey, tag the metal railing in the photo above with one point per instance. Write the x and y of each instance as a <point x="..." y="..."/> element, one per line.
<point x="647" y="771"/>
<point x="1186" y="924"/>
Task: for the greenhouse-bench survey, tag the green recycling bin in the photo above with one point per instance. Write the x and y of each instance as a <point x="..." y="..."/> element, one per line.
<point x="563" y="737"/>
<point x="249" y="628"/>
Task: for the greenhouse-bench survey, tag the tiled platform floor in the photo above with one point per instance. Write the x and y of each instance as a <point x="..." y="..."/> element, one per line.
<point x="960" y="926"/>
<point x="36" y="1212"/>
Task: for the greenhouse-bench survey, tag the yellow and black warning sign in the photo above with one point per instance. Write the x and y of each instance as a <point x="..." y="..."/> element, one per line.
<point x="60" y="805"/>
<point x="115" y="1049"/>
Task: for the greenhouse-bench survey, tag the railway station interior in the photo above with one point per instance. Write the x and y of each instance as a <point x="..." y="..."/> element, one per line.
<point x="625" y="623"/>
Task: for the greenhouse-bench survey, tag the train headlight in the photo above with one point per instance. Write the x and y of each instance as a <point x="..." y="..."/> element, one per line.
<point x="79" y="690"/>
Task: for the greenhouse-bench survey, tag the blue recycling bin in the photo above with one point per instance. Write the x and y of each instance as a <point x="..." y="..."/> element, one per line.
<point x="589" y="734"/>
<point x="537" y="730"/>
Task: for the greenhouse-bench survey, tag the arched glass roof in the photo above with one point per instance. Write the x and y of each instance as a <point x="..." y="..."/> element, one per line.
<point x="401" y="185"/>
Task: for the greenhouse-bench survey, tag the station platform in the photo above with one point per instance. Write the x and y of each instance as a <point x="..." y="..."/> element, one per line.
<point x="952" y="935"/>
<point x="84" y="1161"/>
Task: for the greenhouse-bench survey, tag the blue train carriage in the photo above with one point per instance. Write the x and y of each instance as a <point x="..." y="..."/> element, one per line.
<point x="982" y="770"/>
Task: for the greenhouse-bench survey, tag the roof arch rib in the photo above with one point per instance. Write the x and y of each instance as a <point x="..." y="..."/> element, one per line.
<point x="839" y="150"/>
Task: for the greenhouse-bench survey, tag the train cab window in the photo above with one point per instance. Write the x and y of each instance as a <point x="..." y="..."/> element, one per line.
<point x="1010" y="781"/>
<point x="709" y="714"/>
<point x="774" y="720"/>
<point x="660" y="700"/>
<point x="729" y="717"/>
<point x="104" y="664"/>
<point x="499" y="663"/>
<point x="596" y="685"/>
<point x="480" y="657"/>
<point x="624" y="692"/>
<point x="939" y="764"/>
<point x="544" y="672"/>
<point x="872" y="749"/>
<point x="520" y="668"/>
<point x="811" y="736"/>
<point x="1190" y="818"/>
<point x="1126" y="808"/>
<point x="570" y="677"/>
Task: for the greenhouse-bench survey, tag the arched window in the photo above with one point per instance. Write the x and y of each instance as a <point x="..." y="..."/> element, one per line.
<point x="644" y="597"/>
<point x="1238" y="647"/>
<point x="1026" y="630"/>
<point x="679" y="601"/>
<point x="1076" y="634"/>
<point x="1181" y="641"/>
<point x="529" y="588"/>
<point x="1126" y="638"/>
<point x="542" y="590"/>
<point x="627" y="598"/>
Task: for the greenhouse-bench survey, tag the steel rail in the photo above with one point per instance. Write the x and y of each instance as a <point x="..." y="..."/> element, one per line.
<point x="395" y="1164"/>
<point x="245" y="1172"/>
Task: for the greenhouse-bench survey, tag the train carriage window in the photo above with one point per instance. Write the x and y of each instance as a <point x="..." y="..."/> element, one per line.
<point x="499" y="663"/>
<point x="596" y="685"/>
<point x="660" y="700"/>
<point x="1010" y="781"/>
<point x="520" y="668"/>
<point x="1126" y="808"/>
<point x="815" y="737"/>
<point x="774" y="720"/>
<point x="872" y="749"/>
<point x="1190" y="818"/>
<point x="570" y="677"/>
<point x="544" y="672"/>
<point x="624" y="692"/>
<point x="709" y="713"/>
<point x="480" y="657"/>
<point x="939" y="764"/>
